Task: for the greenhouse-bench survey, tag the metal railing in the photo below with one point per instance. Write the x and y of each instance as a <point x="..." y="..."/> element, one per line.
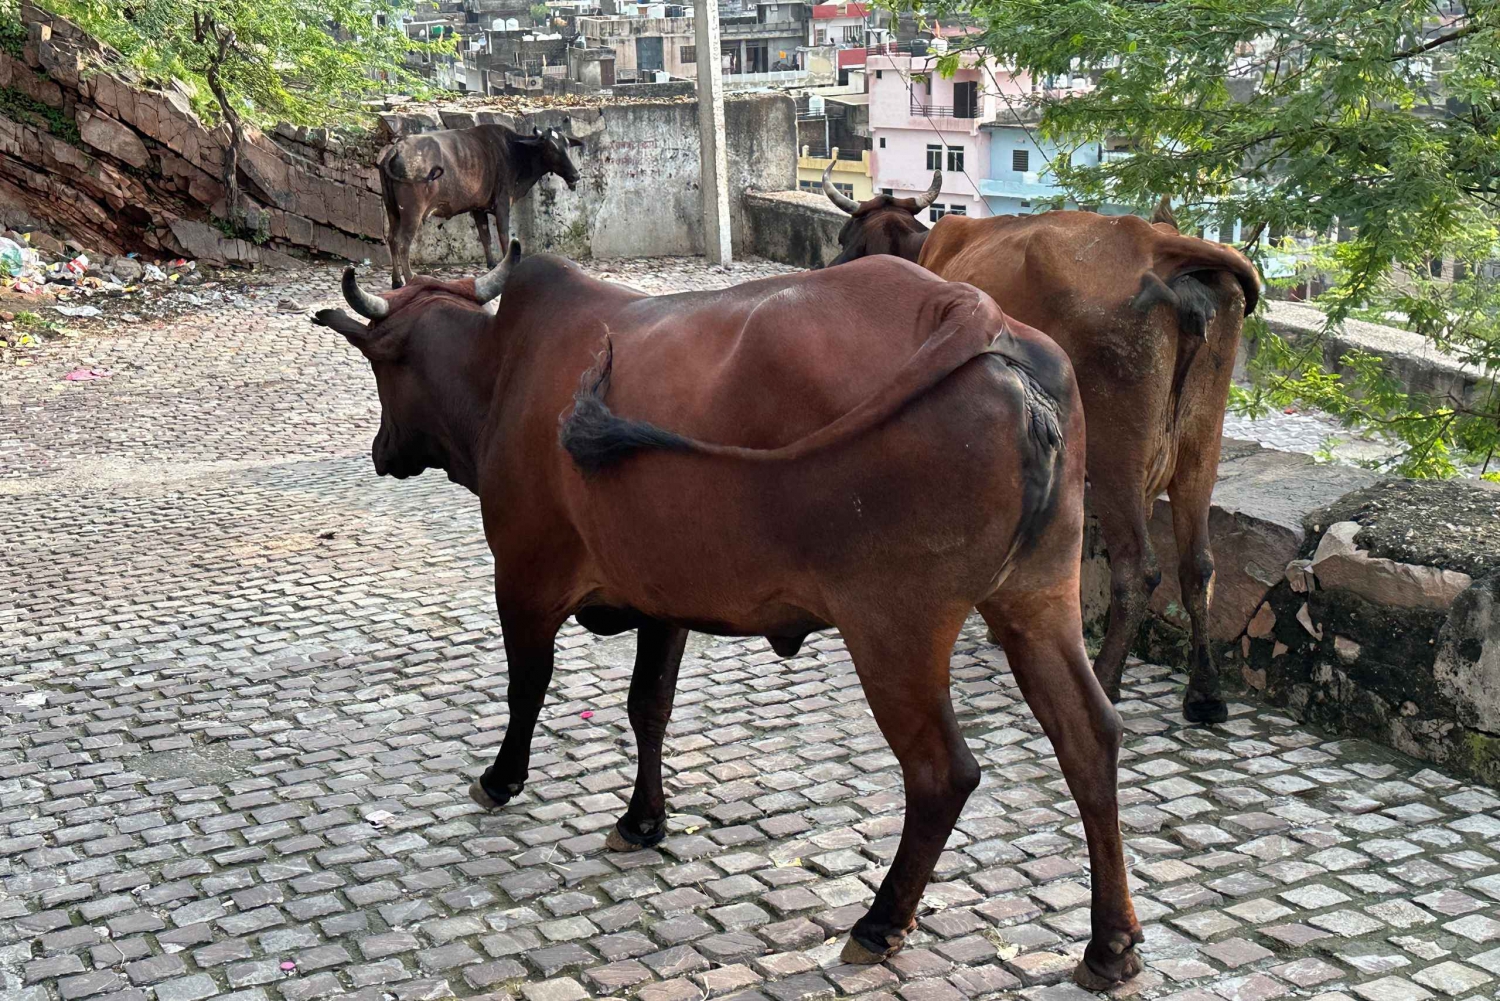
<point x="888" y="49"/>
<point x="942" y="110"/>
<point x="820" y="151"/>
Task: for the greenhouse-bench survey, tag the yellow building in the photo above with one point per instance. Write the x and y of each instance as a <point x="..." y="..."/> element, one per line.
<point x="852" y="177"/>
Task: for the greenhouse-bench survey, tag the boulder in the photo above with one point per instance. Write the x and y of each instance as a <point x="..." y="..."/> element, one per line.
<point x="127" y="269"/>
<point x="1467" y="665"/>
<point x="112" y="138"/>
<point x="1387" y="627"/>
<point x="1339" y="563"/>
<point x="46" y="243"/>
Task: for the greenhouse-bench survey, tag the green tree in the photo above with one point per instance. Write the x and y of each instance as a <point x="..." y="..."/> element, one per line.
<point x="308" y="62"/>
<point x="541" y="13"/>
<point x="1368" y="128"/>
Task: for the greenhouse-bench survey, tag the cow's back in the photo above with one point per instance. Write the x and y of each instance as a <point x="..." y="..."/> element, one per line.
<point x="763" y="364"/>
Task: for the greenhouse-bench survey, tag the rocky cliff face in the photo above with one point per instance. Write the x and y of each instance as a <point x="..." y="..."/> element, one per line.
<point x="92" y="149"/>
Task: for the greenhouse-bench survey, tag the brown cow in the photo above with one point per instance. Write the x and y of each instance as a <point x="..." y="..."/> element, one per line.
<point x="871" y="449"/>
<point x="1151" y="321"/>
<point x="883" y="225"/>
<point x="480" y="170"/>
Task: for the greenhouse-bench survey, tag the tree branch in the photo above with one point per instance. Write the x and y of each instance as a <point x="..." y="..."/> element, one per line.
<point x="1438" y="42"/>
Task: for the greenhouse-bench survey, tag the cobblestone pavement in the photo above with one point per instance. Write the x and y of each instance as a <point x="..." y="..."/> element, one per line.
<point x="243" y="684"/>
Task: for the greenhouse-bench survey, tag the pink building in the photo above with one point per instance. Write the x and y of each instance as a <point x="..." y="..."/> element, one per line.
<point x="921" y="122"/>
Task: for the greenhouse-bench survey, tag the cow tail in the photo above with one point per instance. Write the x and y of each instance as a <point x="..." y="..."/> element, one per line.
<point x="1181" y="275"/>
<point x="596" y="438"/>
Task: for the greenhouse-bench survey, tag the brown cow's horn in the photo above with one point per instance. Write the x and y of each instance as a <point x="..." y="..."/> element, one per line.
<point x="364" y="303"/>
<point x="836" y="196"/>
<point x="929" y="196"/>
<point x="490" y="284"/>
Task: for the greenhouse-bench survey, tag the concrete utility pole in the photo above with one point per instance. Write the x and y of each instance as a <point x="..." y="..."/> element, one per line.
<point x="713" y="167"/>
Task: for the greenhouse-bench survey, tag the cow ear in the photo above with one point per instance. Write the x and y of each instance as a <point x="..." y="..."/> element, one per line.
<point x="574" y="142"/>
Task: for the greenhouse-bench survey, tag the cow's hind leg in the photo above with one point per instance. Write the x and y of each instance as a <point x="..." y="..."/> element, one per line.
<point x="1043" y="640"/>
<point x="1133" y="575"/>
<point x="902" y="661"/>
<point x="653" y="686"/>
<point x="528" y="653"/>
<point x="482" y="220"/>
<point x="1191" y="489"/>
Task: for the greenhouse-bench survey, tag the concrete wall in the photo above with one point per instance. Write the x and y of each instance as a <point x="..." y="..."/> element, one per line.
<point x="638" y="195"/>
<point x="793" y="227"/>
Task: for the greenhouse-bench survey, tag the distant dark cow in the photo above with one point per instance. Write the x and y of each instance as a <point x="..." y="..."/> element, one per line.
<point x="1151" y="321"/>
<point x="867" y="448"/>
<point x="883" y="225"/>
<point x="480" y="171"/>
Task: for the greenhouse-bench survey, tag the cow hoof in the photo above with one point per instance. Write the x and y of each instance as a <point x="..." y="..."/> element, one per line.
<point x="1113" y="964"/>
<point x="861" y="950"/>
<point x="621" y="840"/>
<point x="1210" y="710"/>
<point x="479" y="794"/>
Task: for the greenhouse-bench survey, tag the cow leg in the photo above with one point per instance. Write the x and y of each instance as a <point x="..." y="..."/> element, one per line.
<point x="1041" y="632"/>
<point x="653" y="686"/>
<point x="1190" y="490"/>
<point x="1133" y="575"/>
<point x="501" y="211"/>
<point x="392" y="225"/>
<point x="903" y="668"/>
<point x="528" y="653"/>
<point x="482" y="220"/>
<point x="401" y="241"/>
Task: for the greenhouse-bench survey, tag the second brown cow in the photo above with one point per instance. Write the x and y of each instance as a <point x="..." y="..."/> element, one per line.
<point x="1151" y="322"/>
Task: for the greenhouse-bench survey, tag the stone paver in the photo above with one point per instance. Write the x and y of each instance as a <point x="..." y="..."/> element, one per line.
<point x="244" y="683"/>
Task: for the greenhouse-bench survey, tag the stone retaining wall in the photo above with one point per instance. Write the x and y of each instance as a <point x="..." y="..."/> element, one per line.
<point x="1367" y="607"/>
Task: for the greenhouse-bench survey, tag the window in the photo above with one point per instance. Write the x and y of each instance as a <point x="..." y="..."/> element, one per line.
<point x="966" y="99"/>
<point x="934" y="158"/>
<point x="882" y="142"/>
<point x="958" y="210"/>
<point x="1020" y="160"/>
<point x="688" y="54"/>
<point x="887" y="191"/>
<point x="936" y="212"/>
<point x="844" y="189"/>
<point x="956" y="159"/>
<point x="854" y="32"/>
<point x="807" y="185"/>
<point x="880" y="74"/>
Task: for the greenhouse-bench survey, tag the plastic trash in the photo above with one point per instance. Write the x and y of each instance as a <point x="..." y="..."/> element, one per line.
<point x="77" y="310"/>
<point x="12" y="255"/>
<point x="154" y="274"/>
<point x="87" y="374"/>
<point x="79" y="264"/>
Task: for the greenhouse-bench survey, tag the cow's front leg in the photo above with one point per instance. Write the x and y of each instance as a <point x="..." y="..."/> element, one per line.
<point x="501" y="211"/>
<point x="482" y="221"/>
<point x="528" y="651"/>
<point x="653" y="686"/>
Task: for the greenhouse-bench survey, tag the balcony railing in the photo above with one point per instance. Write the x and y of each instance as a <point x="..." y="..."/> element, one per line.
<point x="821" y="152"/>
<point x="942" y="110"/>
